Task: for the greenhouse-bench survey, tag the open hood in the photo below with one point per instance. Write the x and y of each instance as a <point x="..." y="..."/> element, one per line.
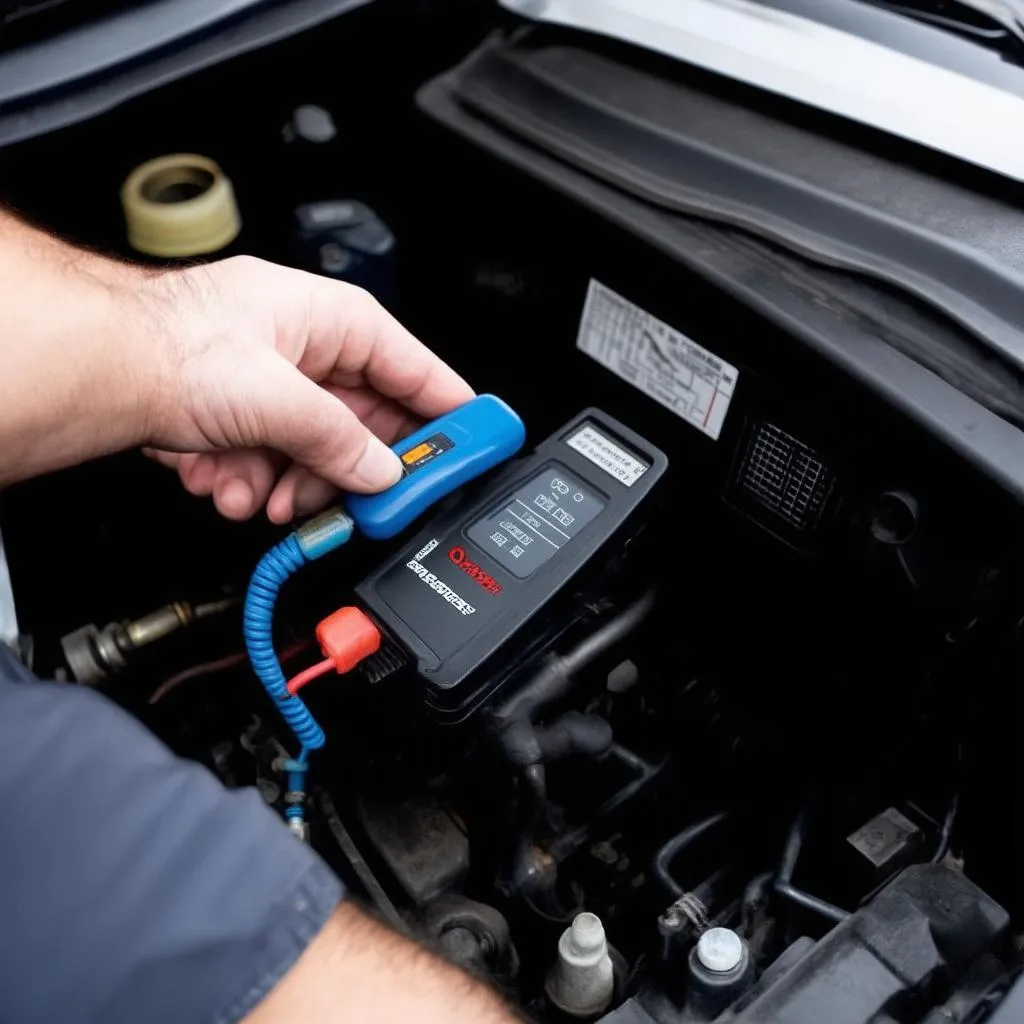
<point x="90" y="64"/>
<point x="875" y="66"/>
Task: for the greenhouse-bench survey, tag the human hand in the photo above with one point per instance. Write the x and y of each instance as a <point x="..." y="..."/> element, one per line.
<point x="259" y="384"/>
<point x="280" y="387"/>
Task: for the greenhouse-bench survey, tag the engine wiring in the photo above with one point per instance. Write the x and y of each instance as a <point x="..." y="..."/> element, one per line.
<point x="307" y="675"/>
<point x="206" y="668"/>
<point x="217" y="665"/>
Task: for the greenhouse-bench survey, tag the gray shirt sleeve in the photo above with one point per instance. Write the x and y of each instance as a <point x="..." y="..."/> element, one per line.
<point x="133" y="886"/>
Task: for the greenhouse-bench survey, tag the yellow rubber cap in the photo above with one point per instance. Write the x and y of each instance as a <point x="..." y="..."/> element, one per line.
<point x="180" y="205"/>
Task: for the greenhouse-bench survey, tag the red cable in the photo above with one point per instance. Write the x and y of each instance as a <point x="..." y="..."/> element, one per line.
<point x="211" y="667"/>
<point x="308" y="675"/>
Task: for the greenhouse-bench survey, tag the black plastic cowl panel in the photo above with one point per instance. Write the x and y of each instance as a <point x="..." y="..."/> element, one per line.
<point x="935" y="372"/>
<point x="916" y="938"/>
<point x="893" y="959"/>
<point x="685" y="150"/>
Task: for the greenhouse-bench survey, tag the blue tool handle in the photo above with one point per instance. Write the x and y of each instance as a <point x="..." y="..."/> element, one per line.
<point x="439" y="458"/>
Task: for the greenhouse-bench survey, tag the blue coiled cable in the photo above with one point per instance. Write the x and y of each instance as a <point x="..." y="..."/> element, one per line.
<point x="274" y="568"/>
<point x="313" y="540"/>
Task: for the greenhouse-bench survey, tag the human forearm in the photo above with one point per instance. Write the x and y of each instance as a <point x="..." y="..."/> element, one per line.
<point x="357" y="970"/>
<point x="69" y="389"/>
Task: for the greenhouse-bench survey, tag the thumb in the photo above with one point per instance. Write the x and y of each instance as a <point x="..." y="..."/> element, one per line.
<point x="299" y="418"/>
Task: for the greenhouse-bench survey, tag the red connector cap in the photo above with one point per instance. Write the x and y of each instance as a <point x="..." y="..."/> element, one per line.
<point x="347" y="637"/>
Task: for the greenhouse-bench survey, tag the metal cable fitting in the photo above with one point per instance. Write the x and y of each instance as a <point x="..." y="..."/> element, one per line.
<point x="690" y="910"/>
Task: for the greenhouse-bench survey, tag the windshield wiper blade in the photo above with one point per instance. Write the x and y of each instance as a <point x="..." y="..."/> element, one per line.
<point x="988" y="21"/>
<point x="1007" y="13"/>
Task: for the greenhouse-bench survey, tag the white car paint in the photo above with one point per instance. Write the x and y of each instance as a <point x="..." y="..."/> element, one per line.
<point x="817" y="65"/>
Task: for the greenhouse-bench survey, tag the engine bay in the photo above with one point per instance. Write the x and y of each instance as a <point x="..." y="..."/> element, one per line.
<point x="700" y="707"/>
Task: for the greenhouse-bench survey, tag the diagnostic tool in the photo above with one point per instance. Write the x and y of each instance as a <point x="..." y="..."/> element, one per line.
<point x="438" y="458"/>
<point x="476" y="575"/>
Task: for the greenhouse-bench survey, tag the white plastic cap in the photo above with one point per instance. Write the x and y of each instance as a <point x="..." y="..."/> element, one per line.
<point x="720" y="950"/>
<point x="180" y="205"/>
<point x="582" y="982"/>
<point x="585" y="938"/>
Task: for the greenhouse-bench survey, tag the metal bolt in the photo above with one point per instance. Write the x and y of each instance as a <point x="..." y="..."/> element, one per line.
<point x="334" y="258"/>
<point x="313" y="123"/>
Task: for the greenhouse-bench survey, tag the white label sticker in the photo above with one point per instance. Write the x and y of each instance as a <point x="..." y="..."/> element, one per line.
<point x="593" y="445"/>
<point x="680" y="374"/>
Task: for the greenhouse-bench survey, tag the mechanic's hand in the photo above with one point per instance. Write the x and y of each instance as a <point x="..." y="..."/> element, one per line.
<point x="283" y="387"/>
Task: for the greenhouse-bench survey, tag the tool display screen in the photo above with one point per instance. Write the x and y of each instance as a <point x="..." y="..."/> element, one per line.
<point x="424" y="452"/>
<point x="541" y="517"/>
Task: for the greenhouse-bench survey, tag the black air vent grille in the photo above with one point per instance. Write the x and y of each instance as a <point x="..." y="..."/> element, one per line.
<point x="785" y="476"/>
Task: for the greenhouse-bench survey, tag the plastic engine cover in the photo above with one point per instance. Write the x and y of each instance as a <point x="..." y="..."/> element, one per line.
<point x="918" y="936"/>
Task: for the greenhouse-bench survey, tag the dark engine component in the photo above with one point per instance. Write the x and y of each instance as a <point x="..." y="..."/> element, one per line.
<point x="529" y="746"/>
<point x="898" y="955"/>
<point x="897" y="959"/>
<point x="475" y="936"/>
<point x="94" y="655"/>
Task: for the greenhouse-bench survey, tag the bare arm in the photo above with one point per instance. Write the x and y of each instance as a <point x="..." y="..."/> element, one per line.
<point x="357" y="970"/>
<point x="67" y="390"/>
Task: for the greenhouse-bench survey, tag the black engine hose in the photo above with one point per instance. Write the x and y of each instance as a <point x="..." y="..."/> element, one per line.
<point x="783" y="883"/>
<point x="528" y="747"/>
<point x="574" y="734"/>
<point x="555" y="677"/>
<point x="678" y="844"/>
